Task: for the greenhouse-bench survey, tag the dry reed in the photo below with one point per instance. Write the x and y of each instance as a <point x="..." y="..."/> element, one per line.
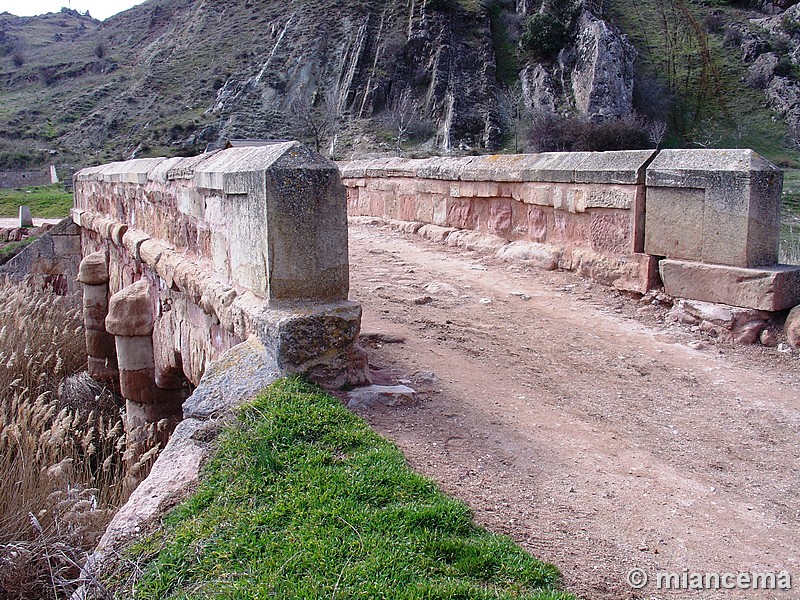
<point x="64" y="463"/>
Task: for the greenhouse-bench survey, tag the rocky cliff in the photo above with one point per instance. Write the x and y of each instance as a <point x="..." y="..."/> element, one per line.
<point x="351" y="77"/>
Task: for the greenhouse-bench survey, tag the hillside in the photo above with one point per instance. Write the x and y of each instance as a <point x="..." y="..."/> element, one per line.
<point x="437" y="76"/>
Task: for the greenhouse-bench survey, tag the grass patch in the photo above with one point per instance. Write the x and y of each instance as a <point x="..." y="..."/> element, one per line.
<point x="790" y="218"/>
<point x="10" y="250"/>
<point x="46" y="201"/>
<point x="303" y="500"/>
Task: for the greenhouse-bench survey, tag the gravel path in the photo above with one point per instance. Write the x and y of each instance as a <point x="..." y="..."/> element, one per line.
<point x="592" y="434"/>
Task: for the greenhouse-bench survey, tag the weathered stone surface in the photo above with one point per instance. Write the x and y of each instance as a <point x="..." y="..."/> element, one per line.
<point x="405" y="226"/>
<point x="93" y="269"/>
<point x="474" y="240"/>
<point x="130" y="311"/>
<point x="769" y="288"/>
<point x="611" y="233"/>
<point x="634" y="272"/>
<point x="381" y="395"/>
<point x="175" y="470"/>
<point x="240" y="373"/>
<point x="25" y="219"/>
<point x="542" y="256"/>
<point x="602" y="80"/>
<point x="792" y="327"/>
<point x="740" y="325"/>
<point x="435" y="233"/>
<point x="617" y="167"/>
<point x="719" y="206"/>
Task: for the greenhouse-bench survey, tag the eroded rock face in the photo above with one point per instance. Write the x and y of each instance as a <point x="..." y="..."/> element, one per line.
<point x="602" y="79"/>
<point x="593" y="75"/>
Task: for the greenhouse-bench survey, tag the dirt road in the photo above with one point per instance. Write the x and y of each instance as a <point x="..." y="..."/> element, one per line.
<point x="592" y="434"/>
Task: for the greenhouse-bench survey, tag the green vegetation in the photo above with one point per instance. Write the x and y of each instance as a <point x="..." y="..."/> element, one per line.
<point x="303" y="500"/>
<point x="10" y="250"/>
<point x="690" y="75"/>
<point x="505" y="52"/>
<point x="790" y="218"/>
<point x="543" y="36"/>
<point x="46" y="201"/>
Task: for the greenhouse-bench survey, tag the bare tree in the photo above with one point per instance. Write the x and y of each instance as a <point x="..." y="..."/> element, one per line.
<point x="656" y="130"/>
<point x="519" y="113"/>
<point x="405" y="114"/>
<point x="315" y="119"/>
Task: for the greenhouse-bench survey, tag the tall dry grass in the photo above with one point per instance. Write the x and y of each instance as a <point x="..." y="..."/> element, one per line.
<point x="64" y="463"/>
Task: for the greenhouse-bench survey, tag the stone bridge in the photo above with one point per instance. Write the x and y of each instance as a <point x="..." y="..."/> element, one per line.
<point x="206" y="278"/>
<point x="187" y="258"/>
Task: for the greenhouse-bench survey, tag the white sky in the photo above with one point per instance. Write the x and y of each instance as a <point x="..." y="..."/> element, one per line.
<point x="99" y="9"/>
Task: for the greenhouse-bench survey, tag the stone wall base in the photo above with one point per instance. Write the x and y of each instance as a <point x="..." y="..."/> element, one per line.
<point x="766" y="288"/>
<point x="635" y="272"/>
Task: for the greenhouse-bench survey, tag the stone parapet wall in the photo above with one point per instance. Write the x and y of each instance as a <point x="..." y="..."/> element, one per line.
<point x="580" y="211"/>
<point x="16" y="179"/>
<point x="234" y="244"/>
<point x="611" y="216"/>
<point x="52" y="260"/>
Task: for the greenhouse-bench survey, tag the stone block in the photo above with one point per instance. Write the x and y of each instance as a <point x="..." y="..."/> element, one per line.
<point x="631" y="272"/>
<point x="130" y="311"/>
<point x="500" y="218"/>
<point x="25" y="219"/>
<point x="462" y="214"/>
<point x="474" y="240"/>
<point x="424" y="209"/>
<point x="93" y="269"/>
<point x="533" y="193"/>
<point x="537" y="224"/>
<point x="767" y="288"/>
<point x="542" y="256"/>
<point x="714" y="206"/>
<point x="617" y="167"/>
<point x="435" y="233"/>
<point x="239" y="374"/>
<point x="611" y="232"/>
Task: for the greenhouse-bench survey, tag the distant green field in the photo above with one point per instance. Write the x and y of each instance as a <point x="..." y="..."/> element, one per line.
<point x="46" y="201"/>
<point x="790" y="218"/>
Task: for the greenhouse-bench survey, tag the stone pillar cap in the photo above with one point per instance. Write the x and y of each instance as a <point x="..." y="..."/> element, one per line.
<point x="130" y="311"/>
<point x="94" y="269"/>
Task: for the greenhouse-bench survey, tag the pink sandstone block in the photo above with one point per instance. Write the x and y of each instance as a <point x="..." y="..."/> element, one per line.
<point x="376" y="204"/>
<point x="500" y="217"/>
<point x="570" y="229"/>
<point x="440" y="211"/>
<point x="537" y="224"/>
<point x="476" y="189"/>
<point x="519" y="221"/>
<point x="533" y="193"/>
<point x="424" y="206"/>
<point x="406" y="208"/>
<point x="433" y="186"/>
<point x="611" y="232"/>
<point x="461" y="213"/>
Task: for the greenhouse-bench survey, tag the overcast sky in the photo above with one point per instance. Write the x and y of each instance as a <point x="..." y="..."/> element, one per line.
<point x="99" y="9"/>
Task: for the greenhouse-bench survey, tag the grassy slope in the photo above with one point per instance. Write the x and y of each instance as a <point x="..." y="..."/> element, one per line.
<point x="46" y="201"/>
<point x="736" y="116"/>
<point x="303" y="500"/>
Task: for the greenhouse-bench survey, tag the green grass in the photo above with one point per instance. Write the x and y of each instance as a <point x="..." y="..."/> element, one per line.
<point x="46" y="201"/>
<point x="11" y="249"/>
<point x="790" y="218"/>
<point x="303" y="500"/>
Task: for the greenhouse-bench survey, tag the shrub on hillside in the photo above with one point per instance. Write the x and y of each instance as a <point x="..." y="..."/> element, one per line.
<point x="578" y="134"/>
<point x="543" y="35"/>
